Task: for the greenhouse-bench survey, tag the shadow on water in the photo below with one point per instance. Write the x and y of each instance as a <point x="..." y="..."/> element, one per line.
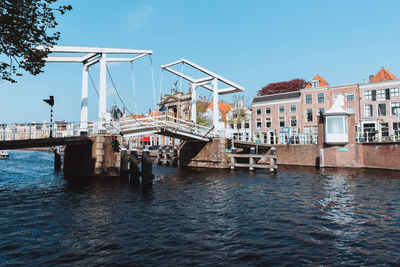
<point x="298" y="216"/>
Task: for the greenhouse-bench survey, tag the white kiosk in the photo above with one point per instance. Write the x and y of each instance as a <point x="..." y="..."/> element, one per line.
<point x="336" y="123"/>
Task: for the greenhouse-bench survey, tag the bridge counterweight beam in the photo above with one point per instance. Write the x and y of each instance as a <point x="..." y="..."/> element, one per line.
<point x="102" y="90"/>
<point x="84" y="102"/>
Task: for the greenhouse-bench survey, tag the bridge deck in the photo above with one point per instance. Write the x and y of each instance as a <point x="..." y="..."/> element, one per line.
<point x="44" y="142"/>
<point x="168" y="126"/>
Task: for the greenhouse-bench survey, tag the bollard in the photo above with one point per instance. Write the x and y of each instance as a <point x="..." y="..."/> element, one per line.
<point x="124" y="173"/>
<point x="147" y="169"/>
<point x="57" y="160"/>
<point x="134" y="168"/>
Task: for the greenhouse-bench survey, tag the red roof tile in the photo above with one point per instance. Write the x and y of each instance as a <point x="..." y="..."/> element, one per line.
<point x="382" y="75"/>
<point x="321" y="80"/>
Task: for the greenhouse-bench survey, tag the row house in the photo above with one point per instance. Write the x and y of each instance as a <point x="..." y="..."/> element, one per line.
<point x="273" y="114"/>
<point x="375" y="105"/>
<point x="380" y="107"/>
<point x="318" y="96"/>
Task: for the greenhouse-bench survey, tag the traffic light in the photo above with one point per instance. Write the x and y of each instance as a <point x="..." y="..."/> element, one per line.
<point x="50" y="101"/>
<point x="115" y="144"/>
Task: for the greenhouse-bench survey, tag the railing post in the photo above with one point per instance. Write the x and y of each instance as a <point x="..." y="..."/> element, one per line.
<point x="30" y="130"/>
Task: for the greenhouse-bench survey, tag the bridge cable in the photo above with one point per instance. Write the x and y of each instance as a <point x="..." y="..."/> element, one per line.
<point x="152" y="79"/>
<point x="94" y="86"/>
<point x="134" y="88"/>
<point x="161" y="81"/>
<point x="115" y="89"/>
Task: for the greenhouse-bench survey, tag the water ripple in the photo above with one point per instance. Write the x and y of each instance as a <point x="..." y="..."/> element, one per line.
<point x="299" y="216"/>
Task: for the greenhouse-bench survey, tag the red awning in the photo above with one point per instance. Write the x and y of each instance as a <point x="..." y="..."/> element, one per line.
<point x="145" y="139"/>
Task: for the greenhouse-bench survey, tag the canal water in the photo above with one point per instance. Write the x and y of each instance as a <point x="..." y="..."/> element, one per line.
<point x="299" y="216"/>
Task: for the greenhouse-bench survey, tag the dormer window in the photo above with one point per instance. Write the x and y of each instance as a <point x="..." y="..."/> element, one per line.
<point x="315" y="83"/>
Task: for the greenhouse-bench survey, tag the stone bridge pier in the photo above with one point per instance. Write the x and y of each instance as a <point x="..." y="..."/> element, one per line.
<point x="95" y="159"/>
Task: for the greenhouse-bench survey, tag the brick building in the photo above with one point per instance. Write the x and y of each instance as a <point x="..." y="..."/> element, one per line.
<point x="380" y="107"/>
<point x="375" y="105"/>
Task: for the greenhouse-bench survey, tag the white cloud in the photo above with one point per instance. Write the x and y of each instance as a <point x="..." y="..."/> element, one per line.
<point x="135" y="20"/>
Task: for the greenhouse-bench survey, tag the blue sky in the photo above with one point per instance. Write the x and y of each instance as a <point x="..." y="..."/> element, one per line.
<point x="251" y="43"/>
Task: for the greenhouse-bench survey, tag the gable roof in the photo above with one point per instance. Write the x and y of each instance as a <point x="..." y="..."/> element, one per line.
<point x="321" y="80"/>
<point x="382" y="75"/>
<point x="223" y="108"/>
<point x="281" y="96"/>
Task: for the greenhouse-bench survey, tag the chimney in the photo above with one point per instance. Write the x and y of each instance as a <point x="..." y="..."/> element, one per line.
<point x="371" y="77"/>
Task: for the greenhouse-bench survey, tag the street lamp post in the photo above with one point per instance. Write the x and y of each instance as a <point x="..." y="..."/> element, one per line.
<point x="50" y="101"/>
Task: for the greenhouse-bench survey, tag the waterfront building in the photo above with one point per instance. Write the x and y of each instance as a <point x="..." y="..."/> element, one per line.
<point x="318" y="96"/>
<point x="293" y="117"/>
<point x="239" y="122"/>
<point x="380" y="107"/>
<point x="272" y="114"/>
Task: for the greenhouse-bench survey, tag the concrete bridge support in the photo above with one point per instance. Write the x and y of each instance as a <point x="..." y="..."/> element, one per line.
<point x="95" y="159"/>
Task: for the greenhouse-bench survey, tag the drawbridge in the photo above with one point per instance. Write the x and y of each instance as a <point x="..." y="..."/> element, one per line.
<point x="166" y="125"/>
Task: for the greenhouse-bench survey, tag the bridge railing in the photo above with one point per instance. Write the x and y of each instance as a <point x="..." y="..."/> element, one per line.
<point x="162" y="122"/>
<point x="25" y="131"/>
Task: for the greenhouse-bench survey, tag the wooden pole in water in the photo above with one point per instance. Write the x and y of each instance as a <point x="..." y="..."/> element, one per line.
<point x="57" y="160"/>
<point x="134" y="168"/>
<point x="233" y="160"/>
<point x="124" y="173"/>
<point x="147" y="169"/>
<point x="251" y="159"/>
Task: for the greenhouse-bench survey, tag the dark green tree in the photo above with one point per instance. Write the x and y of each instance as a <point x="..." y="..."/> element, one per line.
<point x="25" y="24"/>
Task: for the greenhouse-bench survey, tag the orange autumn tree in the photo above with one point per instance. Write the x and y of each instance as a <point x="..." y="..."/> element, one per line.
<point x="282" y="87"/>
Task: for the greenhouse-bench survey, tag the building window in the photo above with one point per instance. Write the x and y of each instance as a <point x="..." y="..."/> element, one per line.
<point x="307" y="130"/>
<point x="293" y="108"/>
<point x="281" y="122"/>
<point x="385" y="129"/>
<point x="246" y="125"/>
<point x="321" y="97"/>
<point x="396" y="109"/>
<point x="396" y="128"/>
<point x="281" y="109"/>
<point x="265" y="137"/>
<point x="309" y="116"/>
<point x="368" y="95"/>
<point x="315" y="130"/>
<point x="258" y="124"/>
<point x="268" y="123"/>
<point x="309" y="99"/>
<point x="258" y="111"/>
<point x="368" y="110"/>
<point x="349" y="97"/>
<point x="351" y="110"/>
<point x="321" y="111"/>
<point x="380" y="94"/>
<point x="315" y="83"/>
<point x="394" y="92"/>
<point x="382" y="109"/>
<point x="232" y="126"/>
<point x="267" y="110"/>
<point x="293" y="121"/>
